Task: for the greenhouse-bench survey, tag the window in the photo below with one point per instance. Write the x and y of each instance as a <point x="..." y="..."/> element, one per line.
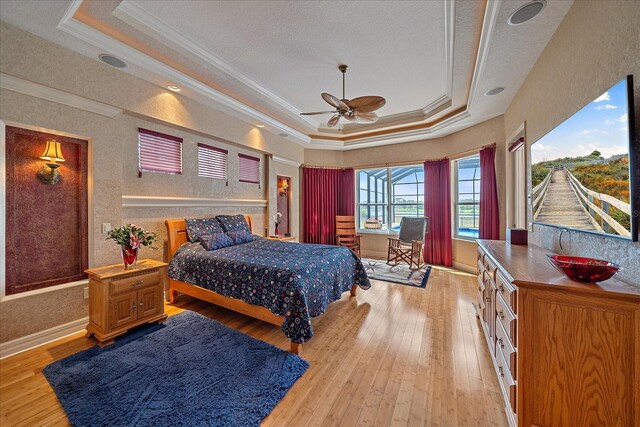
<point x="212" y="162"/>
<point x="158" y="152"/>
<point x="249" y="168"/>
<point x="388" y="194"/>
<point x="467" y="197"/>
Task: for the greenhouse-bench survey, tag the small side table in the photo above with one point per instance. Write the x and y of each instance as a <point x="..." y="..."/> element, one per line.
<point x="120" y="299"/>
<point x="283" y="238"/>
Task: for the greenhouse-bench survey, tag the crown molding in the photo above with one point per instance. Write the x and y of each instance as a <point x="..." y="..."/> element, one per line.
<point x="488" y="26"/>
<point x="72" y="26"/>
<point x="133" y="11"/>
<point x="187" y="202"/>
<point x="286" y="161"/>
<point x="37" y="90"/>
<point x="149" y="22"/>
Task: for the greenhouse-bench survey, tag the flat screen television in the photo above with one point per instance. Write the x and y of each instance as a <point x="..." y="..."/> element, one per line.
<point x="584" y="173"/>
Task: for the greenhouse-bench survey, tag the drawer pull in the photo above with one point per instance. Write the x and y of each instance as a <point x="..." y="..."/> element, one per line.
<point x="488" y="299"/>
<point x="141" y="304"/>
<point x="133" y="307"/>
<point x="501" y="315"/>
<point x="500" y="343"/>
<point x="501" y="371"/>
<point x="501" y="289"/>
<point x="138" y="283"/>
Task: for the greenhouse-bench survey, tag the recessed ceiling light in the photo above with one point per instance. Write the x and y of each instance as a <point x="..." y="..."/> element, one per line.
<point x="259" y="126"/>
<point x="283" y="135"/>
<point x="526" y="12"/>
<point x="112" y="60"/>
<point x="494" y="91"/>
<point x="173" y="88"/>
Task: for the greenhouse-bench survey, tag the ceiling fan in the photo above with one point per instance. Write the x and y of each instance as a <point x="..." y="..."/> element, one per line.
<point x="356" y="110"/>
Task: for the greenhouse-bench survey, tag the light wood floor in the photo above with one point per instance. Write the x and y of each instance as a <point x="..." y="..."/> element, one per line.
<point x="394" y="355"/>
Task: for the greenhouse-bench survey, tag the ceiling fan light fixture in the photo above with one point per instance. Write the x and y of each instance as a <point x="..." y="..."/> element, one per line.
<point x="173" y="88"/>
<point x="260" y="125"/>
<point x="357" y="110"/>
<point x="526" y="12"/>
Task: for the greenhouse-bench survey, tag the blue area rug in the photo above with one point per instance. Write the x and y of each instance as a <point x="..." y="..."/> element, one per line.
<point x="189" y="371"/>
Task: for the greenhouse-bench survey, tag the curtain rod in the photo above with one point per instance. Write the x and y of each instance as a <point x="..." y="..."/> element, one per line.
<point x="322" y="167"/>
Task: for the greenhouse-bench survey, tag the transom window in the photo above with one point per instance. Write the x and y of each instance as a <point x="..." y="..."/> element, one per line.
<point x="466" y="210"/>
<point x="385" y="195"/>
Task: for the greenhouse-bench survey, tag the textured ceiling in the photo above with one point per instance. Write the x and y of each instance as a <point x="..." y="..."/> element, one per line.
<point x="270" y="60"/>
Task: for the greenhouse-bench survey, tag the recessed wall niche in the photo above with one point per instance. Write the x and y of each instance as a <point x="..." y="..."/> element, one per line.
<point x="46" y="225"/>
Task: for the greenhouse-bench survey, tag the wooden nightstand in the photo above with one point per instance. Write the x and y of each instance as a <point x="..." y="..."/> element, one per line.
<point x="120" y="299"/>
<point x="283" y="238"/>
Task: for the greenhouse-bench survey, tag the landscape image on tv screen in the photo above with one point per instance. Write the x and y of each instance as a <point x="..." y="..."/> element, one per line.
<point x="580" y="170"/>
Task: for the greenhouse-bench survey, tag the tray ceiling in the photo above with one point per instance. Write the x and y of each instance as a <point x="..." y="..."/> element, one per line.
<point x="268" y="61"/>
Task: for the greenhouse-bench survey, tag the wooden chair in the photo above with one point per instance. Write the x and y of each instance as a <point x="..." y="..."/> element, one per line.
<point x="346" y="233"/>
<point x="407" y="247"/>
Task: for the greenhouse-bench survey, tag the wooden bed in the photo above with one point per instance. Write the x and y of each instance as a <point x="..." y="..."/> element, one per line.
<point x="177" y="235"/>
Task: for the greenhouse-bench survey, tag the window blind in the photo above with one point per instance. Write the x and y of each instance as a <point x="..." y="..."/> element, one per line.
<point x="212" y="162"/>
<point x="249" y="168"/>
<point x="158" y="152"/>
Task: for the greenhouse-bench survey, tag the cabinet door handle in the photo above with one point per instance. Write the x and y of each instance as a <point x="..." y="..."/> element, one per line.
<point x="133" y="307"/>
<point x="141" y="304"/>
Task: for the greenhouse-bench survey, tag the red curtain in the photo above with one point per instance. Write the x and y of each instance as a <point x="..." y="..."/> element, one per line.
<point x="437" y="207"/>
<point x="325" y="194"/>
<point x="489" y="211"/>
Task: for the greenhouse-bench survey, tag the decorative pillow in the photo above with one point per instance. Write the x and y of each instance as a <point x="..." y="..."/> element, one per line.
<point x="233" y="223"/>
<point x="200" y="227"/>
<point x="214" y="241"/>
<point x="242" y="236"/>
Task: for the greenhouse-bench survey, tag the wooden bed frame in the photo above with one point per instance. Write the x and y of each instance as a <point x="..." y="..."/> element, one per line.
<point x="177" y="235"/>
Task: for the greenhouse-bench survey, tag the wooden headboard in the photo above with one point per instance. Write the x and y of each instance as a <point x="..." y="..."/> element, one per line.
<point x="177" y="234"/>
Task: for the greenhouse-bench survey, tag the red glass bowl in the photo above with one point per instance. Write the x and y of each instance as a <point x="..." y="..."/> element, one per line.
<point x="583" y="269"/>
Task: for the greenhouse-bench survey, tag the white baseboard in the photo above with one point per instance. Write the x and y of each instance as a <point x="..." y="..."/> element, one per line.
<point x="28" y="342"/>
<point x="471" y="269"/>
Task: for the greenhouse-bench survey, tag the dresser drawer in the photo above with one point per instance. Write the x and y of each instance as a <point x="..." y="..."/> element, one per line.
<point x="136" y="282"/>
<point x="506" y="318"/>
<point x="489" y="266"/>
<point x="507" y="383"/>
<point x="481" y="282"/>
<point x="506" y="347"/>
<point x="507" y="291"/>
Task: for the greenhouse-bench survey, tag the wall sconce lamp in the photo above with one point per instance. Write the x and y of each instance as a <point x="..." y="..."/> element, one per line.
<point x="285" y="188"/>
<point x="49" y="173"/>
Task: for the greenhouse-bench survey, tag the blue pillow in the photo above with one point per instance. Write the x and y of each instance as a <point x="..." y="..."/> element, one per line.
<point x="214" y="241"/>
<point x="197" y="228"/>
<point x="233" y="223"/>
<point x="242" y="236"/>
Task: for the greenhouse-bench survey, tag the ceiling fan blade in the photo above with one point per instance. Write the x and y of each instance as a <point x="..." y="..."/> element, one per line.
<point x="349" y="117"/>
<point x="333" y="121"/>
<point x="317" y="112"/>
<point x="366" y="104"/>
<point x="335" y="102"/>
<point x="362" y="118"/>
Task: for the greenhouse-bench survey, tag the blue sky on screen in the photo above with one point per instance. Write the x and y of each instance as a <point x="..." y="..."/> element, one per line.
<point x="601" y="125"/>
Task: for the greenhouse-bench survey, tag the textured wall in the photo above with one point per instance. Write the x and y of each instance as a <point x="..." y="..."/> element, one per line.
<point x="113" y="158"/>
<point x="595" y="46"/>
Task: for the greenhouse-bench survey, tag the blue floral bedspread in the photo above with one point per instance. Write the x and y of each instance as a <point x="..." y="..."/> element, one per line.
<point x="294" y="280"/>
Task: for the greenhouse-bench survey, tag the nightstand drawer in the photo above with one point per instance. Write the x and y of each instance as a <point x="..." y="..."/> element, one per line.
<point x="133" y="283"/>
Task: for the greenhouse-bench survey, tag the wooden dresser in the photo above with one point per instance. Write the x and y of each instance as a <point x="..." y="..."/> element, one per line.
<point x="566" y="353"/>
<point x="120" y="299"/>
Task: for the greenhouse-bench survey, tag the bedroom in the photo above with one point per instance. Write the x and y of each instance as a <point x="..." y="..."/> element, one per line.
<point x="53" y="82"/>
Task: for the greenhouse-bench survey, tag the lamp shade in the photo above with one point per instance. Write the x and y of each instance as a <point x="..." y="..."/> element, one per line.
<point x="52" y="152"/>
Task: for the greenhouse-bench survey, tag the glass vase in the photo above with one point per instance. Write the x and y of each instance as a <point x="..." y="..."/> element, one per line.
<point x="129" y="256"/>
